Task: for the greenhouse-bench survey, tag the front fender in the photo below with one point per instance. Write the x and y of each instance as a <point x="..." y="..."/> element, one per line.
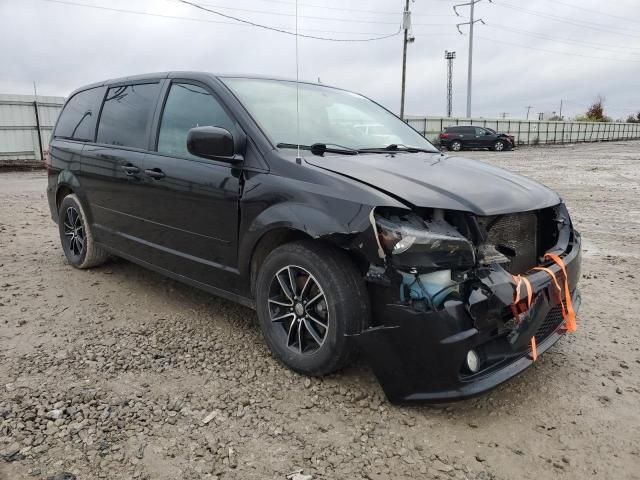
<point x="346" y="220"/>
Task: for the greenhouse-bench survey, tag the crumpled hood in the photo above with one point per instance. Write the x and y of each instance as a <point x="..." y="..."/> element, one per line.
<point x="448" y="182"/>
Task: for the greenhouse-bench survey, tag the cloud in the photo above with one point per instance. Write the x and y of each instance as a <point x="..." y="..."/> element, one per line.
<point x="62" y="46"/>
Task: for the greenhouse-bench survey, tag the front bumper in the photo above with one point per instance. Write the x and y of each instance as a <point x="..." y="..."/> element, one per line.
<point x="420" y="356"/>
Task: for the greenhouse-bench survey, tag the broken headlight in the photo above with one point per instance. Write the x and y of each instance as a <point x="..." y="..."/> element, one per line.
<point x="423" y="244"/>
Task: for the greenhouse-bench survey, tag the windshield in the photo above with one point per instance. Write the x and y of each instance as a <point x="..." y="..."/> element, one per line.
<point x="327" y="115"/>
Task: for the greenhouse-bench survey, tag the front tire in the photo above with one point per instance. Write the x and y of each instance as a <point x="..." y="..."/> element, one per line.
<point x="76" y="237"/>
<point x="309" y="297"/>
<point x="499" y="146"/>
<point x="455" y="146"/>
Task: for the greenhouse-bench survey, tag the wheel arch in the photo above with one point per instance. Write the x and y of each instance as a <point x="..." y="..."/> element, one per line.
<point x="286" y="223"/>
<point x="67" y="184"/>
<point x="61" y="192"/>
<point x="269" y="241"/>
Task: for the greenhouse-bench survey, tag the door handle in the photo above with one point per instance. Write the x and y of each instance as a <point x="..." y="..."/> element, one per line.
<point x="155" y="173"/>
<point x="130" y="169"/>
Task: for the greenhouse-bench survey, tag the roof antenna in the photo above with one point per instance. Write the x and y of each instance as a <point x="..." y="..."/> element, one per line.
<point x="298" y="157"/>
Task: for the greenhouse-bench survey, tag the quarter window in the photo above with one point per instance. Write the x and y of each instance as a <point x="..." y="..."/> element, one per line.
<point x="126" y="115"/>
<point x="188" y="106"/>
<point x="78" y="119"/>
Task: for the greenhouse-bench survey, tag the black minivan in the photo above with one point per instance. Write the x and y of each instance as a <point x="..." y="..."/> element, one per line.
<point x="448" y="275"/>
<point x="459" y="137"/>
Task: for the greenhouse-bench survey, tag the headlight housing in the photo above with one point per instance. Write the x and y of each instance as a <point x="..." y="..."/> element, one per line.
<point x="423" y="244"/>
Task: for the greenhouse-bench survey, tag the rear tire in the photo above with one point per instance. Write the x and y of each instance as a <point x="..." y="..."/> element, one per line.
<point x="76" y="237"/>
<point x="455" y="146"/>
<point x="309" y="297"/>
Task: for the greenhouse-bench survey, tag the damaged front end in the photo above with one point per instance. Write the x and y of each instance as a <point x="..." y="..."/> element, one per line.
<point x="445" y="325"/>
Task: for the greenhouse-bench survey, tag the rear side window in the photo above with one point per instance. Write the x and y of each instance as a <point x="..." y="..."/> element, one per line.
<point x="78" y="119"/>
<point x="453" y="129"/>
<point x="126" y="115"/>
<point x="188" y="106"/>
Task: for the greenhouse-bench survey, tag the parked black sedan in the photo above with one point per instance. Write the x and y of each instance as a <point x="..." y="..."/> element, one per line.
<point x="458" y="137"/>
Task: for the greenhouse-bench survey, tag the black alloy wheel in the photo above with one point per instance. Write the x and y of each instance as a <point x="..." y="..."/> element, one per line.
<point x="298" y="304"/>
<point x="74" y="232"/>
<point x="76" y="237"/>
<point x="310" y="299"/>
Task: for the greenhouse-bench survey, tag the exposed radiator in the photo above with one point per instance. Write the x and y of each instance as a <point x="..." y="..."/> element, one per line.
<point x="518" y="232"/>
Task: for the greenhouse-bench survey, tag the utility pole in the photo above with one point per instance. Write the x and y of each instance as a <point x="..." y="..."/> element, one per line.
<point x="408" y="38"/>
<point x="472" y="21"/>
<point x="528" y="107"/>
<point x="449" y="56"/>
<point x="35" y="109"/>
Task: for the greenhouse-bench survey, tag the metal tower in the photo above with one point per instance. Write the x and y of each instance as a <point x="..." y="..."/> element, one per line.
<point x="449" y="56"/>
<point x="472" y="21"/>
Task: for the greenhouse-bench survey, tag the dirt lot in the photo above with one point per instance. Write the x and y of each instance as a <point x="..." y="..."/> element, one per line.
<point x="110" y="373"/>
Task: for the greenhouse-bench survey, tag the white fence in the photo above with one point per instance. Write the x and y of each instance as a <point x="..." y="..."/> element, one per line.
<point x="26" y="124"/>
<point x="534" y="132"/>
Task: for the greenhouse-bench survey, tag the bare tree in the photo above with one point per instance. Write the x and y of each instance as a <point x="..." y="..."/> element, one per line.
<point x="595" y="112"/>
<point x="634" y="118"/>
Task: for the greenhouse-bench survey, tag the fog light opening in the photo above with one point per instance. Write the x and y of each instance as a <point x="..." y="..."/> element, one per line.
<point x="473" y="361"/>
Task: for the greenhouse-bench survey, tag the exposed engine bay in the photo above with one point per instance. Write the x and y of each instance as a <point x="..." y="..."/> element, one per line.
<point x="453" y="276"/>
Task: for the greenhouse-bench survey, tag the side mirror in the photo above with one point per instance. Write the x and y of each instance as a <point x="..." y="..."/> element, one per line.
<point x="211" y="142"/>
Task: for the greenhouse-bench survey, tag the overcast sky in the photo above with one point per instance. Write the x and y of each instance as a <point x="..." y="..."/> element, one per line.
<point x="533" y="52"/>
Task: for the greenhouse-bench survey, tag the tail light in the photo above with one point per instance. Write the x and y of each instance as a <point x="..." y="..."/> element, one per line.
<point x="444" y="135"/>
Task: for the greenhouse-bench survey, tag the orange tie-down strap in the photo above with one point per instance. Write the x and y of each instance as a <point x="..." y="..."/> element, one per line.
<point x="568" y="314"/>
<point x="519" y="280"/>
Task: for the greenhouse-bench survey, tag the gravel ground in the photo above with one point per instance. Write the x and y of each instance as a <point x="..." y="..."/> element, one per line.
<point x="120" y="373"/>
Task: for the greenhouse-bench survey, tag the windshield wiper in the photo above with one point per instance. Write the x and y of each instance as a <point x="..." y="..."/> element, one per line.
<point x="321" y="148"/>
<point x="396" y="147"/>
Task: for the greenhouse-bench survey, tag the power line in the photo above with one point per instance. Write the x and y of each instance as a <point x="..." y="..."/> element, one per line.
<point x="597" y="12"/>
<point x="570" y="21"/>
<point x="594" y="46"/>
<point x="318" y="6"/>
<point x="556" y="51"/>
<point x="287" y="32"/>
<point x="312" y="17"/>
<point x="282" y="14"/>
<point x="202" y="20"/>
<point x="356" y="10"/>
<point x="323" y="7"/>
